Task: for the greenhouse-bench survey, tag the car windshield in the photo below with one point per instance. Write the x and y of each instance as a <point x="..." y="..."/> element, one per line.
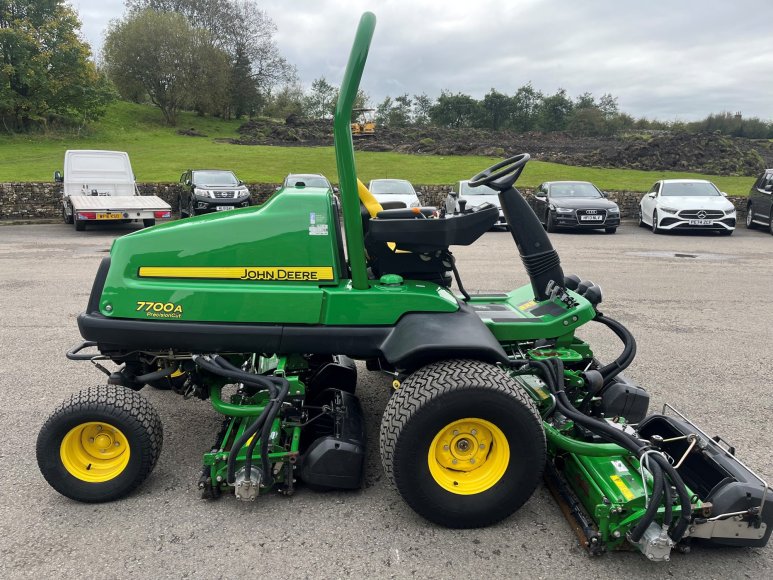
<point x="391" y="186"/>
<point x="574" y="190"/>
<point x="214" y="178"/>
<point x="689" y="189"/>
<point x="465" y="189"/>
<point x="308" y="181"/>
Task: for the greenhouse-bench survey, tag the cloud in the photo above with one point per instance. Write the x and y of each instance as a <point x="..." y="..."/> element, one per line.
<point x="669" y="60"/>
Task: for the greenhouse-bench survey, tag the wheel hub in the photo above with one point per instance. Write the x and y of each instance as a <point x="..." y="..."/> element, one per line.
<point x="94" y="452"/>
<point x="468" y="456"/>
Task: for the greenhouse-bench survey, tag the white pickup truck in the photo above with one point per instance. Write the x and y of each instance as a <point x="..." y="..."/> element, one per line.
<point x="98" y="186"/>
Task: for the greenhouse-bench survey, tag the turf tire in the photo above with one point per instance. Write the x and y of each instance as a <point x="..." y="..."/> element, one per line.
<point x="123" y="408"/>
<point x="438" y="394"/>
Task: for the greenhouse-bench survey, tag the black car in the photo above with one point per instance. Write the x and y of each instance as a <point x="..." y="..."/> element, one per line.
<point x="759" y="209"/>
<point x="208" y="190"/>
<point x="575" y="204"/>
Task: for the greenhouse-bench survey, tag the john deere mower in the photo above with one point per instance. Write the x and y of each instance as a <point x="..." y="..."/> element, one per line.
<point x="262" y="310"/>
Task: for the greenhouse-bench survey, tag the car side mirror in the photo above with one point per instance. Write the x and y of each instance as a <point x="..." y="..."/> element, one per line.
<point x="604" y="194"/>
<point x="540" y="195"/>
<point x="278" y="188"/>
<point x="58" y="177"/>
<point x="187" y="182"/>
<point x="335" y="190"/>
<point x="653" y="195"/>
<point x="723" y="193"/>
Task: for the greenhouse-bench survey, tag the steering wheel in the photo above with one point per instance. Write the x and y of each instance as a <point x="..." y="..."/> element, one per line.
<point x="503" y="175"/>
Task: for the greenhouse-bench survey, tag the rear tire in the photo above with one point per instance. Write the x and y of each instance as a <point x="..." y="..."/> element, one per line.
<point x="68" y="219"/>
<point x="473" y="415"/>
<point x="148" y="223"/>
<point x="80" y="225"/>
<point x="100" y="444"/>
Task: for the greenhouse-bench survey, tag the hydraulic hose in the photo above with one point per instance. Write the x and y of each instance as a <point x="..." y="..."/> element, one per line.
<point x="662" y="471"/>
<point x="610" y="371"/>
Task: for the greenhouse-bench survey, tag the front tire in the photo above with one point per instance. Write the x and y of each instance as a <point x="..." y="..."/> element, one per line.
<point x="610" y="230"/>
<point x="550" y="226"/>
<point x="183" y="212"/>
<point x="641" y="218"/>
<point x="655" y="228"/>
<point x="463" y="443"/>
<point x="750" y="225"/>
<point x="100" y="444"/>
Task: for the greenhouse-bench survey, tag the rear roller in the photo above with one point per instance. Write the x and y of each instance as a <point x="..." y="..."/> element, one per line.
<point x="462" y="443"/>
<point x="100" y="444"/>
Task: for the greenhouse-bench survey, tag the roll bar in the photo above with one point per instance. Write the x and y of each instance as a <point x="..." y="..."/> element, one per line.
<point x="344" y="148"/>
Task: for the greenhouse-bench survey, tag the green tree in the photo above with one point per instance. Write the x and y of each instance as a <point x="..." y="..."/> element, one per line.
<point x="456" y="111"/>
<point x="288" y="100"/>
<point x="321" y="100"/>
<point x="422" y="104"/>
<point x="45" y="69"/>
<point x="164" y="55"/>
<point x="496" y="110"/>
<point x="525" y="108"/>
<point x="554" y="112"/>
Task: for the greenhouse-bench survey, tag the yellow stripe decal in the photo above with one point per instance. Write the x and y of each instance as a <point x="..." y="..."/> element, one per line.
<point x="627" y="493"/>
<point x="290" y="273"/>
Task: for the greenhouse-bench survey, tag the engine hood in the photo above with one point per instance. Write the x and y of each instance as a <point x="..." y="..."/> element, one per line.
<point x="695" y="202"/>
<point x="583" y="202"/>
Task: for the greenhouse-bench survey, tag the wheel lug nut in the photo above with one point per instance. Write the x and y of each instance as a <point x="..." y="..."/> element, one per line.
<point x="474" y="431"/>
<point x="454" y="461"/>
<point x="117" y="444"/>
<point x="456" y="431"/>
<point x="472" y="460"/>
<point x="446" y="448"/>
<point x="91" y="440"/>
<point x="482" y="446"/>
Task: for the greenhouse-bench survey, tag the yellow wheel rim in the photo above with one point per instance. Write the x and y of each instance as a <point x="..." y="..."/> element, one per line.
<point x="468" y="456"/>
<point x="94" y="452"/>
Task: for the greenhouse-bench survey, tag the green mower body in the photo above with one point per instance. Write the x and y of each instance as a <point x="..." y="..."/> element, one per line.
<point x="262" y="311"/>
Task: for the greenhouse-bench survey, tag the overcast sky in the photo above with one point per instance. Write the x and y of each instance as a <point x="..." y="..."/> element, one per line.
<point x="680" y="59"/>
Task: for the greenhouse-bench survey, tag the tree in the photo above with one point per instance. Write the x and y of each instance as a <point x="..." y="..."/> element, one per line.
<point x="394" y="113"/>
<point x="287" y="101"/>
<point x="422" y="105"/>
<point x="456" y="111"/>
<point x="45" y="69"/>
<point x="554" y="112"/>
<point x="321" y="101"/>
<point x="497" y="108"/>
<point x="164" y="55"/>
<point x="526" y="104"/>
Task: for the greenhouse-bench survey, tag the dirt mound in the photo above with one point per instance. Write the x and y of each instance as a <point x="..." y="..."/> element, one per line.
<point x="702" y="153"/>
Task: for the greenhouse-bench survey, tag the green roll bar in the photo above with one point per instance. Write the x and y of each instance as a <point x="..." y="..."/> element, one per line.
<point x="344" y="148"/>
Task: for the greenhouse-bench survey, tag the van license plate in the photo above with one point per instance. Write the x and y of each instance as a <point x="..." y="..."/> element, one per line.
<point x="701" y="222"/>
<point x="109" y="216"/>
<point x="224" y="207"/>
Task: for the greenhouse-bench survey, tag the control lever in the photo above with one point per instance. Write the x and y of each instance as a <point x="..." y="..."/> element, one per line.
<point x="462" y="205"/>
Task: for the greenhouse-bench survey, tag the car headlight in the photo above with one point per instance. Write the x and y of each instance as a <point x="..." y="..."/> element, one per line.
<point x="203" y="192"/>
<point x="564" y="210"/>
<point x="730" y="211"/>
<point x="415" y="204"/>
<point x="668" y="209"/>
<point x="614" y="209"/>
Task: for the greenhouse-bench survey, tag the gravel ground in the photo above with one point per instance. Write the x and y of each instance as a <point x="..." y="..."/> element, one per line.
<point x="704" y="329"/>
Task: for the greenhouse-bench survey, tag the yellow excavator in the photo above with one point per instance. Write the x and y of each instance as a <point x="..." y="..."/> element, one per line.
<point x="364" y="124"/>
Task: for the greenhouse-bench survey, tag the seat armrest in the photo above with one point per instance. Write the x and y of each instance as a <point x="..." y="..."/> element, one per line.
<point x="406" y="213"/>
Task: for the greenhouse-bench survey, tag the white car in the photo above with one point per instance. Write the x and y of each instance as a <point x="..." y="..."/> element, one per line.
<point x="480" y="195"/>
<point x="686" y="204"/>
<point x="394" y="192"/>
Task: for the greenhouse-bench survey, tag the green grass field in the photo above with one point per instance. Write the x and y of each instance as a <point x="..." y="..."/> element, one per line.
<point x="159" y="154"/>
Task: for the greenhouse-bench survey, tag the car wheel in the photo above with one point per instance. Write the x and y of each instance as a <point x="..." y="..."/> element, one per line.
<point x="770" y="222"/>
<point x="726" y="232"/>
<point x="549" y="225"/>
<point x="750" y="218"/>
<point x="80" y="225"/>
<point x="610" y="230"/>
<point x="183" y="212"/>
<point x="641" y="218"/>
<point x="655" y="228"/>
<point x="148" y="223"/>
<point x="68" y="219"/>
<point x="191" y="208"/>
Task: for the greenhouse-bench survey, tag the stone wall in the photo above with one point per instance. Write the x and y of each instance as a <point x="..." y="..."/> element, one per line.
<point x="24" y="201"/>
